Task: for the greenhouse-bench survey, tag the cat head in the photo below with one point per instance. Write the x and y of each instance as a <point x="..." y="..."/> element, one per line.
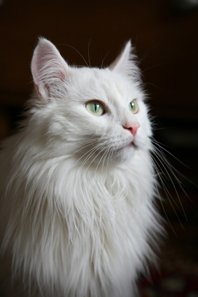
<point x="97" y="116"/>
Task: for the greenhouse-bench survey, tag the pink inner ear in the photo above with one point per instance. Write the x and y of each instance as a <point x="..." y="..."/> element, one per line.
<point x="62" y="75"/>
<point x="123" y="59"/>
<point x="125" y="63"/>
<point x="47" y="63"/>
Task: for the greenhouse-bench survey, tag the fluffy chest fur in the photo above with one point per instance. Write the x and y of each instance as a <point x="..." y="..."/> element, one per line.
<point x="83" y="231"/>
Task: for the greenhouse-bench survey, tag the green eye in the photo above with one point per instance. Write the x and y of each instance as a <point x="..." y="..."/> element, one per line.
<point x="96" y="108"/>
<point x="133" y="105"/>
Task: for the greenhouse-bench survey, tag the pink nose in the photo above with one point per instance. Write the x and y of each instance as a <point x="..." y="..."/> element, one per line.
<point x="132" y="128"/>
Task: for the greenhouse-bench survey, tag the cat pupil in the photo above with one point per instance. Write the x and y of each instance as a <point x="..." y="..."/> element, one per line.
<point x="96" y="107"/>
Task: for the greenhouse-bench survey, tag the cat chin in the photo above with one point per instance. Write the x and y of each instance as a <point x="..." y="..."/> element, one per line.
<point x="126" y="153"/>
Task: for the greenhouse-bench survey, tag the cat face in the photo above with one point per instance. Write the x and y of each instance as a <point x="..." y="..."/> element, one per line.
<point x="97" y="116"/>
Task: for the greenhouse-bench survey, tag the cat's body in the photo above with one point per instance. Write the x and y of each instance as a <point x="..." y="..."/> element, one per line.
<point x="77" y="182"/>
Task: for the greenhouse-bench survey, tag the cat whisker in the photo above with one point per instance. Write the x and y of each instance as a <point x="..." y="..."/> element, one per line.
<point x="171" y="170"/>
<point x="87" y="145"/>
<point x="103" y="60"/>
<point x="88" y="53"/>
<point x="102" y="159"/>
<point x="78" y="52"/>
<point x="86" y="156"/>
<point x="102" y="152"/>
<point x="167" y="169"/>
<point x="167" y="195"/>
<point x="92" y="141"/>
<point x="94" y="151"/>
<point x="164" y="210"/>
<point x="109" y="154"/>
<point x="161" y="147"/>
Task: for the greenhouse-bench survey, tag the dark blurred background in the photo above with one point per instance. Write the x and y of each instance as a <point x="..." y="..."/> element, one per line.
<point x="165" y="35"/>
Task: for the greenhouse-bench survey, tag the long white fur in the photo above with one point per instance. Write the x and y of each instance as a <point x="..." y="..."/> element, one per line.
<point x="77" y="200"/>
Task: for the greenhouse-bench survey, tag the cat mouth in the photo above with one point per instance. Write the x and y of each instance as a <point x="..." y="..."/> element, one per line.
<point x="131" y="145"/>
<point x="134" y="144"/>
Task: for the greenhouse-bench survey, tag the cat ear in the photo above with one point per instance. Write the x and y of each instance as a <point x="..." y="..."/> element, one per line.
<point x="48" y="68"/>
<point x="125" y="63"/>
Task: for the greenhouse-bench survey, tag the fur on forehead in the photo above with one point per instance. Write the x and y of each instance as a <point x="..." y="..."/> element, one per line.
<point x="51" y="72"/>
<point x="103" y="84"/>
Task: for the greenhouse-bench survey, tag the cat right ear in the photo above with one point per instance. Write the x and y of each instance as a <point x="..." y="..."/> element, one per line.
<point x="125" y="63"/>
<point x="49" y="69"/>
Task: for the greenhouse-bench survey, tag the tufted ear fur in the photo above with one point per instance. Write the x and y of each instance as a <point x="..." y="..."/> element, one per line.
<point x="125" y="62"/>
<point x="48" y="68"/>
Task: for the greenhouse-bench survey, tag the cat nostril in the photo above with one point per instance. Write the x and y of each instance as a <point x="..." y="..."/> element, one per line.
<point x="132" y="128"/>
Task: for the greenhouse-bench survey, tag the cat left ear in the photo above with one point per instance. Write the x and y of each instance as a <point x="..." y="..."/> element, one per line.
<point x="125" y="62"/>
<point x="48" y="68"/>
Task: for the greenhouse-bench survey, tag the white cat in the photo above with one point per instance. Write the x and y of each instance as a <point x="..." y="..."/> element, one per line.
<point x="77" y="182"/>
